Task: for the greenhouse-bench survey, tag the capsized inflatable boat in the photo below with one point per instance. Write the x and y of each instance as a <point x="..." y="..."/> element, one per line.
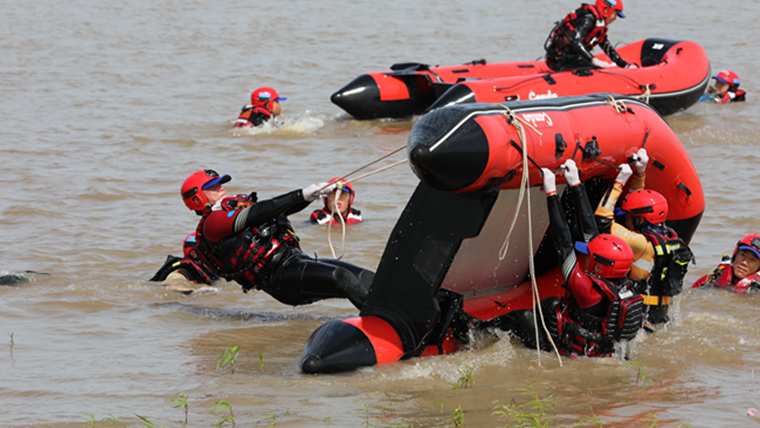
<point x="446" y="268"/>
<point x="673" y="75"/>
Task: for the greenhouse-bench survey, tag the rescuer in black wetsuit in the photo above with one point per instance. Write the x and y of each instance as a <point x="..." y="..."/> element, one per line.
<point x="569" y="45"/>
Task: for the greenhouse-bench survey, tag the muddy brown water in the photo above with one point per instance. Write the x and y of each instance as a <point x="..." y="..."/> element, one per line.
<point x="107" y="106"/>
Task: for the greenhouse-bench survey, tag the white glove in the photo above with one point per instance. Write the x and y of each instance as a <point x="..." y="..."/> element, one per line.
<point x="632" y="66"/>
<point x="642" y="159"/>
<point x="311" y="192"/>
<point x="624" y="174"/>
<point x="571" y="173"/>
<point x="327" y="190"/>
<point x="550" y="185"/>
<point x="601" y="64"/>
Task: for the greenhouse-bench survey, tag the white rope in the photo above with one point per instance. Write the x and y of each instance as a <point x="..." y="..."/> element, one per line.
<point x="646" y="94"/>
<point x="619" y="105"/>
<point x="341" y="183"/>
<point x="333" y="209"/>
<point x="524" y="188"/>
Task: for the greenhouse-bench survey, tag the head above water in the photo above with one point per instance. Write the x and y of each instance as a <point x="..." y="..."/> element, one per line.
<point x="345" y="200"/>
<point x="609" y="256"/>
<point x="728" y="77"/>
<point x="746" y="258"/>
<point x="267" y="98"/>
<point x="192" y="190"/>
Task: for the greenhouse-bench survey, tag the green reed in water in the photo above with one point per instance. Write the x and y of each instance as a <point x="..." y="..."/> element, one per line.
<point x="228" y="356"/>
<point x="11" y="342"/>
<point x="529" y="414"/>
<point x="94" y="422"/>
<point x="220" y="407"/>
<point x="150" y="424"/>
<point x="181" y="400"/>
<point x="641" y="374"/>
<point x="457" y="417"/>
<point x="466" y="379"/>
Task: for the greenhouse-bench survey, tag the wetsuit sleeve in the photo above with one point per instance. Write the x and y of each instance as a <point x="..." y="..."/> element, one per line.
<point x="562" y="238"/>
<point x="263" y="211"/>
<point x="576" y="42"/>
<point x="637" y="182"/>
<point x="612" y="53"/>
<point x="605" y="212"/>
<point x="586" y="214"/>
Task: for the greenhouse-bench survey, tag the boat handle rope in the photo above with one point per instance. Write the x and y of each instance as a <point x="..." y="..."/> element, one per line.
<point x="514" y="120"/>
<point x="647" y="92"/>
<point x="619" y="105"/>
<point x="341" y="183"/>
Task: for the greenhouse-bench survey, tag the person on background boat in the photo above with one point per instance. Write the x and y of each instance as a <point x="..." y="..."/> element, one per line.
<point x="252" y="243"/>
<point x="660" y="257"/>
<point x="571" y="41"/>
<point x="599" y="307"/>
<point x="344" y="204"/>
<point x="738" y="273"/>
<point x="725" y="90"/>
<point x="265" y="106"/>
<point x="182" y="274"/>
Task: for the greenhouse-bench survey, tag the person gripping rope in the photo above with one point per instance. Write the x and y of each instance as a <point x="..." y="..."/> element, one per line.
<point x="660" y="257"/>
<point x="265" y="106"/>
<point x="252" y="243"/>
<point x="570" y="42"/>
<point x="738" y="273"/>
<point x="600" y="307"/>
<point x="344" y="204"/>
<point x="725" y="90"/>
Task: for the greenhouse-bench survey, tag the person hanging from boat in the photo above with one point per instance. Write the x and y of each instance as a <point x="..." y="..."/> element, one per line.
<point x="265" y="106"/>
<point x="739" y="273"/>
<point x="252" y="242"/>
<point x="571" y="41"/>
<point x="725" y="90"/>
<point x="183" y="274"/>
<point x="337" y="206"/>
<point x="599" y="307"/>
<point x="661" y="258"/>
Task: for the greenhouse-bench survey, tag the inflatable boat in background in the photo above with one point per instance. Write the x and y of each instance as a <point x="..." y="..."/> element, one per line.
<point x="672" y="76"/>
<point x="441" y="272"/>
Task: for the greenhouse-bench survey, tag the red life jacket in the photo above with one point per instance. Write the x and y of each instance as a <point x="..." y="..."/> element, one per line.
<point x="322" y="216"/>
<point x="561" y="36"/>
<point x="252" y="116"/>
<point x="245" y="257"/>
<point x="723" y="277"/>
<point x="581" y="333"/>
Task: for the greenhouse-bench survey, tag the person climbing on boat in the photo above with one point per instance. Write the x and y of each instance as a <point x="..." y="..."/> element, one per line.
<point x="739" y="273"/>
<point x="660" y="256"/>
<point x="182" y="274"/>
<point x="253" y="243"/>
<point x="725" y="90"/>
<point x="571" y="41"/>
<point x="344" y="205"/>
<point x="599" y="307"/>
<point x="265" y="106"/>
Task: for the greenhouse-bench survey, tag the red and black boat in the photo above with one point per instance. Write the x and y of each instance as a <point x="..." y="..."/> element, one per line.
<point x="442" y="270"/>
<point x="672" y="76"/>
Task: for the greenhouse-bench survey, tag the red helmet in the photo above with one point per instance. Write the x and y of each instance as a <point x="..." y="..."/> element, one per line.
<point x="347" y="188"/>
<point x="728" y="76"/>
<point x="192" y="188"/>
<point x="609" y="256"/>
<point x="263" y="97"/>
<point x="616" y="5"/>
<point x="647" y="204"/>
<point x="750" y="242"/>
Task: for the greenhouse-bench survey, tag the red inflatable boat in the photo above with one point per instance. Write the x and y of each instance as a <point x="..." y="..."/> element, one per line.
<point x="672" y="76"/>
<point x="445" y="267"/>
